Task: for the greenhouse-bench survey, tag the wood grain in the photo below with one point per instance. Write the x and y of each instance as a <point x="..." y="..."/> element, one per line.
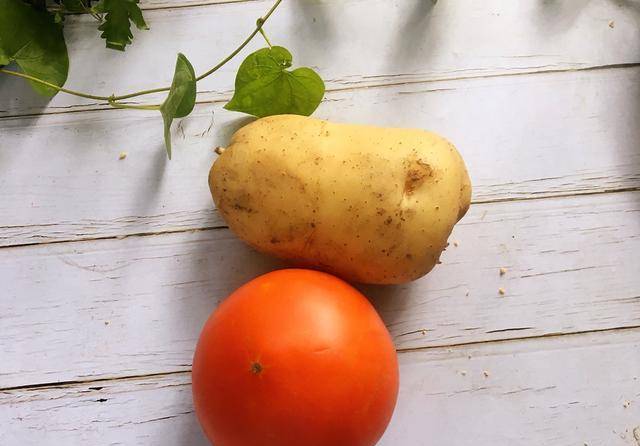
<point x="135" y="306"/>
<point x="527" y="399"/>
<point x="400" y="41"/>
<point x="543" y="100"/>
<point x="523" y="137"/>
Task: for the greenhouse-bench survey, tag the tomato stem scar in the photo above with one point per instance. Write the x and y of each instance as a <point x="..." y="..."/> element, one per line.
<point x="256" y="368"/>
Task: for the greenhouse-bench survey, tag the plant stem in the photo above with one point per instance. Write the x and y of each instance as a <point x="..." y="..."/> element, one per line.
<point x="134" y="107"/>
<point x="54" y="86"/>
<point x="89" y="10"/>
<point x="140" y="93"/>
<point x="113" y="98"/>
<point x="266" y="39"/>
<point x="93" y="14"/>
<point x="259" y="25"/>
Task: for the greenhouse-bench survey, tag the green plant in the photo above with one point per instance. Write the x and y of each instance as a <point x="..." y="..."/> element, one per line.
<point x="31" y="36"/>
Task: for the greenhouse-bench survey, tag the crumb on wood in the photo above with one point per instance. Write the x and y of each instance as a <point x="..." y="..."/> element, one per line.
<point x="503" y="271"/>
<point x="423" y="331"/>
<point x="612" y="24"/>
<point x="466" y="294"/>
<point x="106" y="322"/>
<point x="485" y="373"/>
<point x="501" y="291"/>
<point x="463" y="372"/>
<point x="122" y="155"/>
<point x="456" y="243"/>
<point x="626" y="404"/>
<point x="468" y="356"/>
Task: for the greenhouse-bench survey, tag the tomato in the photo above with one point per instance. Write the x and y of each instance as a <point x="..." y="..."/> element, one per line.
<point x="295" y="357"/>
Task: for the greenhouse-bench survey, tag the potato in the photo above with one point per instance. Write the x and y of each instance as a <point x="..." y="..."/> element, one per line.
<point x="372" y="205"/>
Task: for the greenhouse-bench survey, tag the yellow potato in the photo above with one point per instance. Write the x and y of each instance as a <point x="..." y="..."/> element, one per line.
<point x="370" y="204"/>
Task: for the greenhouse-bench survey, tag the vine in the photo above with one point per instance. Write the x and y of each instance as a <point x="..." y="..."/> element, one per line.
<point x="264" y="86"/>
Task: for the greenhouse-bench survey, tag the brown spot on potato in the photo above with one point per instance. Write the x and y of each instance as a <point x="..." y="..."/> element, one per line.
<point x="391" y="249"/>
<point x="417" y="173"/>
<point x="243" y="208"/>
<point x="286" y="195"/>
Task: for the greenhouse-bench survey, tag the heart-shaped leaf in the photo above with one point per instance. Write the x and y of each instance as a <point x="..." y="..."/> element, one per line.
<point x="265" y="87"/>
<point x="181" y="98"/>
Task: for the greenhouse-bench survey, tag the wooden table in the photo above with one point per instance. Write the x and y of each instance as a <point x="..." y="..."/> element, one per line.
<point x="110" y="267"/>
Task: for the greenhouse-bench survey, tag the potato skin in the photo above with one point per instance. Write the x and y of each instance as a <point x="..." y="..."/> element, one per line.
<point x="369" y="204"/>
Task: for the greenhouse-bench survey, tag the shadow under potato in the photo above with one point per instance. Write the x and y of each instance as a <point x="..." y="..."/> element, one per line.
<point x="226" y="131"/>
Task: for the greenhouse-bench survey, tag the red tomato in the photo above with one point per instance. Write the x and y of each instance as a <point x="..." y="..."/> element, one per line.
<point x="295" y="358"/>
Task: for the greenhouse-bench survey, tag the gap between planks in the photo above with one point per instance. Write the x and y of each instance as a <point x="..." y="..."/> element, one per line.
<point x="213" y="228"/>
<point x="611" y="148"/>
<point x="226" y="96"/>
<point x="84" y="383"/>
<point x="572" y="251"/>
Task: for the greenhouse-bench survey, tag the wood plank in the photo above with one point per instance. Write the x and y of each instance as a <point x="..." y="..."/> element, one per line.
<point x="527" y="399"/>
<point x="135" y="306"/>
<point x="522" y="137"/>
<point x="405" y="41"/>
<point x="164" y="4"/>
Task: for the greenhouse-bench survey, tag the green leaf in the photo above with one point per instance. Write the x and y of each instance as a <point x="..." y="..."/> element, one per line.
<point x="74" y="5"/>
<point x="181" y="98"/>
<point x="265" y="87"/>
<point x="116" y="28"/>
<point x="4" y="58"/>
<point x="35" y="42"/>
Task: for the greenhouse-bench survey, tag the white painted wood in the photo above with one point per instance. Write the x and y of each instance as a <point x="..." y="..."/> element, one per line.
<point x="135" y="306"/>
<point x="558" y="391"/>
<point x="522" y="137"/>
<point x="122" y="308"/>
<point x="162" y="4"/>
<point x="398" y="41"/>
